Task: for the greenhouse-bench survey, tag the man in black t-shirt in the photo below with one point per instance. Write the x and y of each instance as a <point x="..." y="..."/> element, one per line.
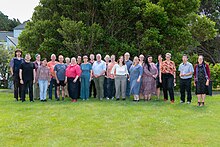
<point x="27" y="77"/>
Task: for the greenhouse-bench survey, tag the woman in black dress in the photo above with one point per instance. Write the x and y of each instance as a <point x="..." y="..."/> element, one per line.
<point x="201" y="80"/>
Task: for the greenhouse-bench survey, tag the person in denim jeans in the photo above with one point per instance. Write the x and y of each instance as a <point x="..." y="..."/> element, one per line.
<point x="43" y="79"/>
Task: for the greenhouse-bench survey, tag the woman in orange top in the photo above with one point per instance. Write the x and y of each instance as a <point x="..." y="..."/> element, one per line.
<point x="168" y="77"/>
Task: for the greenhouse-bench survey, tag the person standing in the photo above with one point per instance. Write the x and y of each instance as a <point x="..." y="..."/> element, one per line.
<point x="110" y="79"/>
<point x="107" y="59"/>
<point x="186" y="71"/>
<point x="53" y="82"/>
<point x="67" y="60"/>
<point x="73" y="73"/>
<point x="128" y="63"/>
<point x="201" y="80"/>
<point x="86" y="74"/>
<point x="27" y="77"/>
<point x="92" y="88"/>
<point x="98" y="69"/>
<point x="120" y="73"/>
<point x="43" y="79"/>
<point x="141" y="59"/>
<point x="168" y="77"/>
<point x="159" y="85"/>
<point x="15" y="64"/>
<point x="37" y="64"/>
<point x="136" y="72"/>
<point x="148" y="86"/>
<point x="60" y="75"/>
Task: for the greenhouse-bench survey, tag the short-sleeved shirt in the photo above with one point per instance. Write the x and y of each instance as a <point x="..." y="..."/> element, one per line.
<point x="185" y="69"/>
<point x="15" y="64"/>
<point x="27" y="71"/>
<point x="98" y="67"/>
<point x="51" y="66"/>
<point x="168" y="67"/>
<point x="60" y="70"/>
<point x="85" y="68"/>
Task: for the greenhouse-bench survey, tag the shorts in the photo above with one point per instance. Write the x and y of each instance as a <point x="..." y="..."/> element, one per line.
<point x="61" y="83"/>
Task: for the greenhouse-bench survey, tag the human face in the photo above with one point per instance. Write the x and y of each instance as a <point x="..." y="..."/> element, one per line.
<point x="98" y="57"/>
<point x="61" y="59"/>
<point x="136" y="60"/>
<point x="150" y="59"/>
<point x="127" y="57"/>
<point x="85" y="59"/>
<point x="79" y="59"/>
<point x="53" y="57"/>
<point x="67" y="60"/>
<point x="159" y="58"/>
<point x="184" y="58"/>
<point x="113" y="58"/>
<point x="28" y="57"/>
<point x="44" y="62"/>
<point x="73" y="60"/>
<point x="92" y="57"/>
<point x="141" y="57"/>
<point x="121" y="60"/>
<point x="106" y="59"/>
<point x="200" y="59"/>
<point x="38" y="58"/>
<point x="168" y="57"/>
<point x="18" y="54"/>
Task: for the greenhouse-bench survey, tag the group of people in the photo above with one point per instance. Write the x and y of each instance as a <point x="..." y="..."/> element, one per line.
<point x="108" y="78"/>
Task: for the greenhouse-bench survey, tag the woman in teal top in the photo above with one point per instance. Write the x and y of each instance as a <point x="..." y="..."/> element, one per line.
<point x="86" y="68"/>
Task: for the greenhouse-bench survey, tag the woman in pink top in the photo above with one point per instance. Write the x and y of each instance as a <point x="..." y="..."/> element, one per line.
<point x="73" y="72"/>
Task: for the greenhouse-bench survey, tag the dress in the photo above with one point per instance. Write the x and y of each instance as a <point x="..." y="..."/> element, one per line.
<point x="135" y="72"/>
<point x="201" y="87"/>
<point x="85" y="77"/>
<point x="148" y="85"/>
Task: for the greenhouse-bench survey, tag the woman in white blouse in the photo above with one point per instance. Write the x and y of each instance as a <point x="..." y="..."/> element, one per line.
<point x="120" y="72"/>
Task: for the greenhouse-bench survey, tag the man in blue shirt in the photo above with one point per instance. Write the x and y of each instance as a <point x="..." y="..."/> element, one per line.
<point x="186" y="71"/>
<point x="128" y="63"/>
<point x="98" y="70"/>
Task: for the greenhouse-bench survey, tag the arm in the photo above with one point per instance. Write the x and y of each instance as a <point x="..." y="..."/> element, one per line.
<point x="11" y="66"/>
<point x="140" y="74"/>
<point x="78" y="73"/>
<point x="20" y="75"/>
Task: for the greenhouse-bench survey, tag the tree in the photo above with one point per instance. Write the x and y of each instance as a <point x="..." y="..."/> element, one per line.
<point x="113" y="27"/>
<point x="7" y="24"/>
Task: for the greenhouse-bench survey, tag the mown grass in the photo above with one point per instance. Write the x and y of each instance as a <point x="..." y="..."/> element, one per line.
<point x="108" y="123"/>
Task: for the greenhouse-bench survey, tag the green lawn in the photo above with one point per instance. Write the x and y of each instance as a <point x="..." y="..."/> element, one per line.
<point x="108" y="123"/>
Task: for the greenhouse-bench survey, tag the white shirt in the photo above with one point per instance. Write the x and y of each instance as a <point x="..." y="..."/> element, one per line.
<point x="119" y="70"/>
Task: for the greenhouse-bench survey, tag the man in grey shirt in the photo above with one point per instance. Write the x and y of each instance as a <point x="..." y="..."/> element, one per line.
<point x="186" y="71"/>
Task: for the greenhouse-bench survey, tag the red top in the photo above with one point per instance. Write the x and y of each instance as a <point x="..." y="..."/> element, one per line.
<point x="168" y="67"/>
<point x="73" y="70"/>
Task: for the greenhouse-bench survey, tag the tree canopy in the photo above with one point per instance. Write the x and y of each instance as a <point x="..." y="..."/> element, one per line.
<point x="7" y="24"/>
<point x="75" y="27"/>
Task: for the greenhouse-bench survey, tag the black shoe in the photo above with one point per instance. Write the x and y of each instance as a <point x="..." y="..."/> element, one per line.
<point x="62" y="98"/>
<point x="123" y="99"/>
<point x="42" y="100"/>
<point x="45" y="100"/>
<point x="58" y="99"/>
<point x="117" y="99"/>
<point x="199" y="103"/>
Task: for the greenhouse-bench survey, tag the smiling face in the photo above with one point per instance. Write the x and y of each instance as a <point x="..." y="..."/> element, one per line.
<point x="98" y="57"/>
<point x="44" y="62"/>
<point x="53" y="57"/>
<point x="18" y="54"/>
<point x="149" y="59"/>
<point x="27" y="57"/>
<point x="136" y="60"/>
<point x="184" y="58"/>
<point x="112" y="58"/>
<point x="60" y="59"/>
<point x="200" y="59"/>
<point x="85" y="59"/>
<point x="73" y="60"/>
<point x="141" y="57"/>
<point x="38" y="57"/>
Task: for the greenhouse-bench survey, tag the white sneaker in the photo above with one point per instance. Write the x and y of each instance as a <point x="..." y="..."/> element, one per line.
<point x="112" y="98"/>
<point x="188" y="102"/>
<point x="107" y="98"/>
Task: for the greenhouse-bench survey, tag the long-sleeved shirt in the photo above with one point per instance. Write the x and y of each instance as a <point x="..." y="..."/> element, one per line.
<point x="73" y="70"/>
<point x="109" y="70"/>
<point x="43" y="73"/>
<point x="119" y="70"/>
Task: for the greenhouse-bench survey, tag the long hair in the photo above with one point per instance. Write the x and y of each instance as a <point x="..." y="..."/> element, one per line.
<point x="147" y="63"/>
<point x="123" y="62"/>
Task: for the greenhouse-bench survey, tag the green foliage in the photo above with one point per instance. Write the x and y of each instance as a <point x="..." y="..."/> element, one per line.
<point x="114" y="27"/>
<point x="4" y="60"/>
<point x="7" y="24"/>
<point x="215" y="74"/>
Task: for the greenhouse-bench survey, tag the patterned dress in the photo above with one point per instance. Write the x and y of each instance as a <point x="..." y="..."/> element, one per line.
<point x="201" y="87"/>
<point x="148" y="81"/>
<point x="135" y="72"/>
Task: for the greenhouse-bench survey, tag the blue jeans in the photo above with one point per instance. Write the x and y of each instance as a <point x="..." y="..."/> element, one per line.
<point x="52" y="82"/>
<point x="43" y="84"/>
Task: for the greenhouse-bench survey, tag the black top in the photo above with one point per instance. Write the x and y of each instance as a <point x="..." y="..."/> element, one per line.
<point x="27" y="71"/>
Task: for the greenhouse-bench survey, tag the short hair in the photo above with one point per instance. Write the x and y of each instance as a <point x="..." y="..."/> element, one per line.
<point x="107" y="56"/>
<point x="168" y="54"/>
<point x="185" y="55"/>
<point x="127" y="54"/>
<point x="99" y="55"/>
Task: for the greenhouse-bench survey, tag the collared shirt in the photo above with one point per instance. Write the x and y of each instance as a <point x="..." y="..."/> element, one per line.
<point x="73" y="70"/>
<point x="119" y="70"/>
<point x="98" y="67"/>
<point x="168" y="67"/>
<point x="51" y="66"/>
<point x="109" y="69"/>
<point x="128" y="64"/>
<point x="185" y="69"/>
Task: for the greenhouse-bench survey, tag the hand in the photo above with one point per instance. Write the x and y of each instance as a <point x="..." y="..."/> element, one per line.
<point x="34" y="81"/>
<point x="181" y="75"/>
<point x="74" y="81"/>
<point x="65" y="81"/>
<point x="90" y="79"/>
<point x="138" y="80"/>
<point x="48" y="83"/>
<point x="194" y="83"/>
<point x="21" y="81"/>
<point x="207" y="83"/>
<point x="160" y="80"/>
<point x="58" y="81"/>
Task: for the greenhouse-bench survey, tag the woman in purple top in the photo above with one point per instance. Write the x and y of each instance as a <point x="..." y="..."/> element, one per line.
<point x="150" y="73"/>
<point x="43" y="79"/>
